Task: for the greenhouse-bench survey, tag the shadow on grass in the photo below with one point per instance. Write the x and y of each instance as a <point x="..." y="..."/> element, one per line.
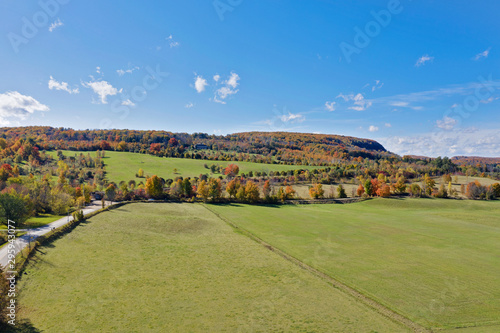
<point x="235" y="204"/>
<point x="22" y="326"/>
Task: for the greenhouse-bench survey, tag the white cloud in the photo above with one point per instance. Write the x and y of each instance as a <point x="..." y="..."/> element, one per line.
<point x="98" y="70"/>
<point x="233" y="80"/>
<point x="457" y="142"/>
<point x="373" y="128"/>
<point x="291" y="117"/>
<point x="359" y="101"/>
<point x="388" y="125"/>
<point x="102" y="88"/>
<point x="229" y="89"/>
<point x="330" y="106"/>
<point x="423" y="60"/>
<point x="15" y="105"/>
<point x="483" y="54"/>
<point x="446" y="123"/>
<point x="216" y="77"/>
<point x="200" y="83"/>
<point x="189" y="105"/>
<point x="56" y="24"/>
<point x="128" y="102"/>
<point x="54" y="85"/>
<point x="122" y="72"/>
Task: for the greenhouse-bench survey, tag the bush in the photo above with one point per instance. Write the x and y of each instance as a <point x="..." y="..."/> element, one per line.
<point x="78" y="216"/>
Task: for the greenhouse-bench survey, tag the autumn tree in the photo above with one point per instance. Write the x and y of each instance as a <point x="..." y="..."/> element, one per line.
<point x="203" y="191"/>
<point x="232" y="170"/>
<point x="360" y="190"/>
<point x="232" y="188"/>
<point x="316" y="191"/>
<point x="496" y="189"/>
<point x="122" y="146"/>
<point x="154" y="187"/>
<point x="400" y="186"/>
<point x="266" y="190"/>
<point x="429" y="184"/>
<point x="252" y="192"/>
<point x="214" y="189"/>
<point x="384" y="191"/>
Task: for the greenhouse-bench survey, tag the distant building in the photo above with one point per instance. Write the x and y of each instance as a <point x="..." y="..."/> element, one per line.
<point x="200" y="147"/>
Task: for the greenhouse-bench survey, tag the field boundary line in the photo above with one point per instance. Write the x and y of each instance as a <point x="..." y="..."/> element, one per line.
<point x="378" y="307"/>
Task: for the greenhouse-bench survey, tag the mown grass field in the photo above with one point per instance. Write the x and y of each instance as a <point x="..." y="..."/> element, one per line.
<point x="179" y="268"/>
<point x="435" y="261"/>
<point x="124" y="166"/>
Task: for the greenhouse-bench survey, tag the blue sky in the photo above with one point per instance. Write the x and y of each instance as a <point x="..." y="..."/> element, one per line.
<point x="421" y="77"/>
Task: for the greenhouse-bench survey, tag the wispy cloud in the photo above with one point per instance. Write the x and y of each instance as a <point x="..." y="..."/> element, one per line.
<point x="16" y="105"/>
<point x="172" y="42"/>
<point x="102" y="88"/>
<point x="189" y="105"/>
<point x="483" y="54"/>
<point x="446" y="123"/>
<point x="330" y="106"/>
<point x="122" y="72"/>
<point x="128" y="102"/>
<point x="54" y="85"/>
<point x="373" y="128"/>
<point x="292" y="117"/>
<point x="56" y="24"/>
<point x="423" y="60"/>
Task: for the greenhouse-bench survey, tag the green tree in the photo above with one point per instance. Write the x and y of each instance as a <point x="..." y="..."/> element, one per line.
<point x="15" y="207"/>
<point x="140" y="173"/>
<point x="341" y="192"/>
<point x="110" y="192"/>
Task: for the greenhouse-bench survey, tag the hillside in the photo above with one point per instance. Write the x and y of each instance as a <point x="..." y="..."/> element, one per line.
<point x="284" y="147"/>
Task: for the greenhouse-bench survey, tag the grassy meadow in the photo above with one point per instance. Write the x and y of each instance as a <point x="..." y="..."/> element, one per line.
<point x="435" y="261"/>
<point x="124" y="166"/>
<point x="179" y="268"/>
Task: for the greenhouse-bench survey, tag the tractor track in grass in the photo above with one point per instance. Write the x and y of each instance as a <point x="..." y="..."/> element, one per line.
<point x="383" y="310"/>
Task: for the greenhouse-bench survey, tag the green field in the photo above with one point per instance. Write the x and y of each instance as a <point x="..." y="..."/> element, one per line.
<point x="179" y="268"/>
<point x="435" y="261"/>
<point x="123" y="166"/>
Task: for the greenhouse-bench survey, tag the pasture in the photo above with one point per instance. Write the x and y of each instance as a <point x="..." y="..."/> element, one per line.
<point x="179" y="268"/>
<point x="123" y="166"/>
<point x="435" y="261"/>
